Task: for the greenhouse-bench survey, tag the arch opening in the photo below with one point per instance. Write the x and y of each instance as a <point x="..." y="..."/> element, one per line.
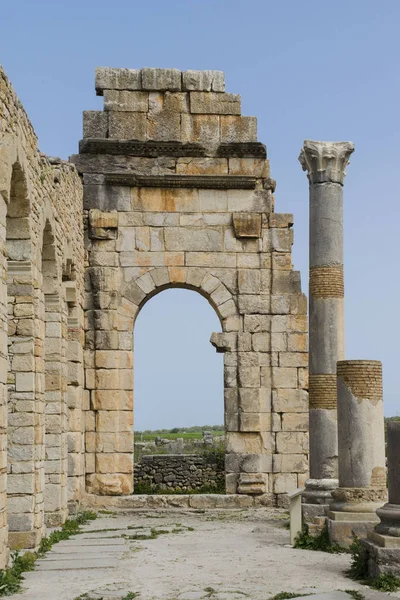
<point x="22" y="469"/>
<point x="178" y="395"/>
<point x="55" y="454"/>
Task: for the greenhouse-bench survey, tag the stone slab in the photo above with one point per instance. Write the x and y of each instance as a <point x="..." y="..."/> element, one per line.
<point x="94" y="562"/>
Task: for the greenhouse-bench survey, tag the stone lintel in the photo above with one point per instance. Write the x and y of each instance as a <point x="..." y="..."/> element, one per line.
<point x="216" y="182"/>
<point x="151" y="149"/>
<point x="325" y="162"/>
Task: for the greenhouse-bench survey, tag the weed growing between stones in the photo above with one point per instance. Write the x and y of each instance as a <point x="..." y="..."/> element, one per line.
<point x="386" y="582"/>
<point x="320" y="542"/>
<point x="287" y="596"/>
<point x="355" y="594"/>
<point x="147" y="489"/>
<point x="154" y="533"/>
<point x="11" y="578"/>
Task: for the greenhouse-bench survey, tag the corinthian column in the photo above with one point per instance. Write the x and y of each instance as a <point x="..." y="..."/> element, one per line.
<point x="325" y="163"/>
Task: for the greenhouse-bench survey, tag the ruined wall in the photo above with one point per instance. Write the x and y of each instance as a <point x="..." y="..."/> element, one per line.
<point x="178" y="472"/>
<point x="177" y="193"/>
<point x="42" y="262"/>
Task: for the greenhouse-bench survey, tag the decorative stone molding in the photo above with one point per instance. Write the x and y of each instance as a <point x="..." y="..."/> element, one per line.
<point x="214" y="182"/>
<point x="325" y="161"/>
<point x="153" y="149"/>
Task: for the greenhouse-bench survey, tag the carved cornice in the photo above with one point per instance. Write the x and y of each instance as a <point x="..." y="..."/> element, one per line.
<point x="136" y="148"/>
<point x="325" y="161"/>
<point x="215" y="182"/>
<point x="242" y="150"/>
<point x="151" y="149"/>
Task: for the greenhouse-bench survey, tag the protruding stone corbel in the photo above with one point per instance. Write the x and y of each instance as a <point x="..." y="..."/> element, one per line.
<point x="103" y="225"/>
<point x="224" y="342"/>
<point x="325" y="161"/>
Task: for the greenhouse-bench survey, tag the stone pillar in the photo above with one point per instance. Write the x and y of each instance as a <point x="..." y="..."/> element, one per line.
<point x="362" y="471"/>
<point x="383" y="544"/>
<point x="325" y="163"/>
<point x="389" y="514"/>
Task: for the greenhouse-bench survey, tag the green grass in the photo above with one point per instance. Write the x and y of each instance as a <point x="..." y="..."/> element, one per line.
<point x="320" y="542"/>
<point x="11" y="578"/>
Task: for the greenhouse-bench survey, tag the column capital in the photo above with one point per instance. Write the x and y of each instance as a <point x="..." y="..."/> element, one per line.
<point x="325" y="161"/>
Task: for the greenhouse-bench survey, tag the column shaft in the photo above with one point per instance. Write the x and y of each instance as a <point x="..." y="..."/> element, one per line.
<point x="325" y="164"/>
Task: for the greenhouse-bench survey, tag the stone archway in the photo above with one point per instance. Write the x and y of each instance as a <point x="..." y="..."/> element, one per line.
<point x="178" y="192"/>
<point x="178" y="381"/>
<point x="23" y="497"/>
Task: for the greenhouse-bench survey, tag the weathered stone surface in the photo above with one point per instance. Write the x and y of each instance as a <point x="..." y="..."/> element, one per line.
<point x="121" y="101"/>
<point x="95" y="124"/>
<point x="108" y="78"/>
<point x="203" y="81"/>
<point x="161" y="79"/>
<point x="209" y="103"/>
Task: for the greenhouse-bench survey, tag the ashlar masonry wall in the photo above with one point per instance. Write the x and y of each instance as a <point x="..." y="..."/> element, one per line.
<point x="41" y="325"/>
<point x="177" y="193"/>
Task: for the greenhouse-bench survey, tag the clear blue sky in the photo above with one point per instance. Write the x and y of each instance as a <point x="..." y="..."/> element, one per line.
<point x="317" y="70"/>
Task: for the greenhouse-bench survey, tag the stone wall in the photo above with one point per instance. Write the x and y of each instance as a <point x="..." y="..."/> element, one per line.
<point x="41" y="324"/>
<point x="177" y="193"/>
<point x="179" y="472"/>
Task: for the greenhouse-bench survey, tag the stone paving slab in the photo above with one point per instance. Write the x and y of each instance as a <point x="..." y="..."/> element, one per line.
<point x="219" y="554"/>
<point x="77" y="564"/>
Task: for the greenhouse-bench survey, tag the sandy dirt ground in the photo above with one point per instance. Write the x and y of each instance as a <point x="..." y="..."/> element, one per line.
<point x="185" y="555"/>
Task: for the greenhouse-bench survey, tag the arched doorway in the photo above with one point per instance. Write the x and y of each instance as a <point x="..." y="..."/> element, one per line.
<point x="23" y="456"/>
<point x="178" y="395"/>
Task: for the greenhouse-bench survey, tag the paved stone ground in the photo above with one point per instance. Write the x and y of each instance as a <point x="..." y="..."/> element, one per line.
<point x="217" y="554"/>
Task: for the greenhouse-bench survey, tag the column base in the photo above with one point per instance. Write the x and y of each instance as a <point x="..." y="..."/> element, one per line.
<point x="389" y="515"/>
<point x="383" y="553"/>
<point x="344" y="525"/>
<point x="317" y="497"/>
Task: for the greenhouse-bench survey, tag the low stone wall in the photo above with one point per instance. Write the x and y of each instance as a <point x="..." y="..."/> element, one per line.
<point x="178" y="472"/>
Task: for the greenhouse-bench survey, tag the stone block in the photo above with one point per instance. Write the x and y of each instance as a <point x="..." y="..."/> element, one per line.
<point x="197" y="239"/>
<point x="284" y="483"/>
<point x="211" y="103"/>
<point x="122" y="101"/>
<point x="115" y="462"/>
<point x="253" y="167"/>
<point x="113" y="421"/>
<point x="284" y="377"/>
<point x="291" y="442"/>
<point x="161" y="79"/>
<point x="201" y="129"/>
<point x="293" y="359"/>
<point x="95" y="124"/>
<point x="164" y="126"/>
<point x="255" y="421"/>
<point x="202" y="166"/>
<point x="252" y="483"/>
<point x="203" y="81"/>
<point x="290" y="463"/>
<point x="295" y="422"/>
<point x="238" y="129"/>
<point x="127" y="125"/>
<point x="255" y="400"/>
<point x="247" y="225"/>
<point x="107" y="78"/>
